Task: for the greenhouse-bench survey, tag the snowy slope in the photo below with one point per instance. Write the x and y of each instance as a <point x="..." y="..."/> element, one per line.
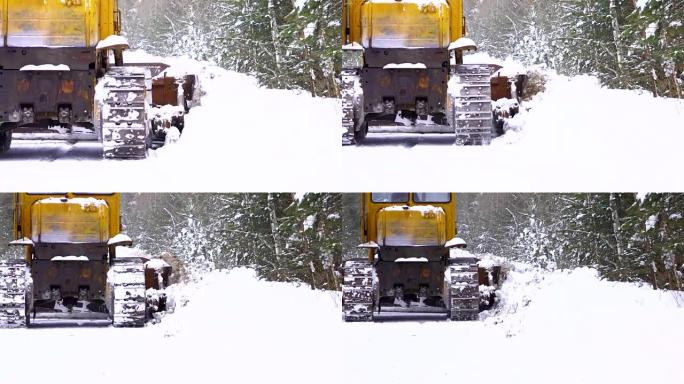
<point x="577" y="136"/>
<point x="560" y="327"/>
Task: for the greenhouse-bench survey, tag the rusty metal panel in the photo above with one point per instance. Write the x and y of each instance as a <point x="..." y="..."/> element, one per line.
<point x="75" y="58"/>
<point x="405" y="86"/>
<point x="154" y="276"/>
<point x="69" y="276"/>
<point x="165" y="91"/>
<point x="501" y="88"/>
<point x="43" y="251"/>
<point x="432" y="58"/>
<point x="46" y="91"/>
<point x="411" y="275"/>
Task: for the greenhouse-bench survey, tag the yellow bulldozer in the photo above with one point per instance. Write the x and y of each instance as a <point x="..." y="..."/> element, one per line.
<point x="71" y="271"/>
<point x="54" y="54"/>
<point x="415" y="267"/>
<point x="403" y="72"/>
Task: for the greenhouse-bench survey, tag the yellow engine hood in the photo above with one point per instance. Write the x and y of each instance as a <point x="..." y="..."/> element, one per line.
<point x="49" y="23"/>
<point x="405" y="24"/>
<point x="70" y="221"/>
<point x="404" y="226"/>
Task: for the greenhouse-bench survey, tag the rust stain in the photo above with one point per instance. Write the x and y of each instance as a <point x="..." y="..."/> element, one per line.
<point x="423" y="82"/>
<point x="425" y="273"/>
<point x="23" y="85"/>
<point x="86" y="273"/>
<point x="385" y="81"/>
<point x="52" y="272"/>
<point x="67" y="87"/>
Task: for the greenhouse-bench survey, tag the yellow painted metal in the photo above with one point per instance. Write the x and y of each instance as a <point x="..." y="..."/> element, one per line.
<point x="66" y="218"/>
<point x="409" y="227"/>
<point x="110" y="23"/>
<point x="405" y="24"/>
<point x="3" y="21"/>
<point x="382" y="222"/>
<point x="57" y="23"/>
<point x="402" y="23"/>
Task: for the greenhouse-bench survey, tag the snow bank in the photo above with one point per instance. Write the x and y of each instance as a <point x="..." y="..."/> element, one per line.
<point x="592" y="331"/>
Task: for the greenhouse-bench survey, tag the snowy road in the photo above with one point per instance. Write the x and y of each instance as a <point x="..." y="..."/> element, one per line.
<point x="560" y="327"/>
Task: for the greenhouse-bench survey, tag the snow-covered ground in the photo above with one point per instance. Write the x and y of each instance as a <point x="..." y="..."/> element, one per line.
<point x="553" y="327"/>
<point x="576" y="136"/>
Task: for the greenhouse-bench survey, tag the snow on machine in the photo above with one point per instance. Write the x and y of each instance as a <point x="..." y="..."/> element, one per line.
<point x="416" y="268"/>
<point x="77" y="267"/>
<point x="63" y="77"/>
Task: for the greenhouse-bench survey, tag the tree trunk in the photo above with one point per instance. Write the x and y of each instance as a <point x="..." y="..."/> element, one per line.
<point x="616" y="37"/>
<point x="613" y="202"/>
<point x="274" y="36"/>
<point x="275" y="233"/>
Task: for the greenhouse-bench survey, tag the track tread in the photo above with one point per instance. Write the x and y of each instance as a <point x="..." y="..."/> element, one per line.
<point x="464" y="291"/>
<point x="14" y="281"/>
<point x="349" y="80"/>
<point x="129" y="303"/>
<point x="125" y="122"/>
<point x="471" y="105"/>
<point x="357" y="291"/>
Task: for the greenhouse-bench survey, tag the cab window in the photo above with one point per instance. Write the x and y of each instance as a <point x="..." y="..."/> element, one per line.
<point x="392" y="197"/>
<point x="423" y="197"/>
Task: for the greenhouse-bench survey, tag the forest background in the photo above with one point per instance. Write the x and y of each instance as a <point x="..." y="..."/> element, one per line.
<point x="296" y="44"/>
<point x="306" y="237"/>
